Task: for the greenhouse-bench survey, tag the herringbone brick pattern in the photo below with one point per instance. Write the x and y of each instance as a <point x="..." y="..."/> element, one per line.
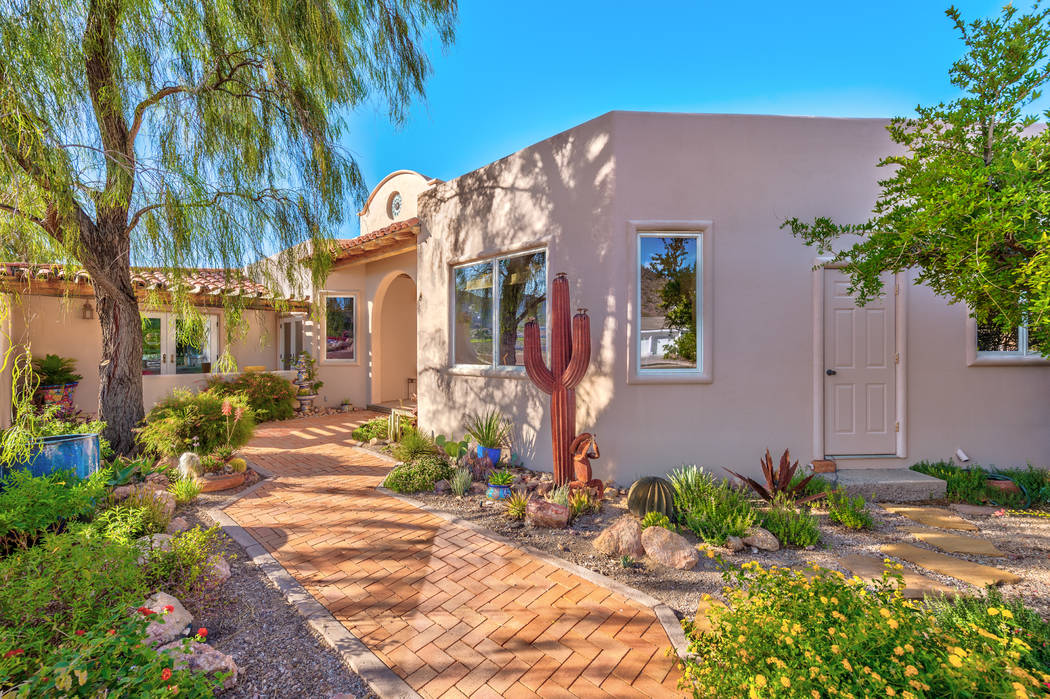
<point x="450" y="610"/>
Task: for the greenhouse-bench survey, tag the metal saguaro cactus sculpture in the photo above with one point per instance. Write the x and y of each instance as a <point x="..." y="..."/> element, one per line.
<point x="570" y="352"/>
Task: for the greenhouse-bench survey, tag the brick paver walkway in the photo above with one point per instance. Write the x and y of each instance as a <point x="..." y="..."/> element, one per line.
<point x="451" y="611"/>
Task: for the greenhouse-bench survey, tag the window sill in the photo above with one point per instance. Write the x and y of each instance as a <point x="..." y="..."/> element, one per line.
<point x="488" y="372"/>
<point x="1008" y="360"/>
<point x="669" y="377"/>
<point x="339" y="362"/>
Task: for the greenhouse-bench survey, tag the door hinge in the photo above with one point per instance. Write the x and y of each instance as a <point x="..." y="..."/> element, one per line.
<point x="897" y="427"/>
<point x="896" y="289"/>
<point x="897" y="358"/>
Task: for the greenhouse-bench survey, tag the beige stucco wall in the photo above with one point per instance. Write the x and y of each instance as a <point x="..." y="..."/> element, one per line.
<point x="576" y="193"/>
<point x="53" y="325"/>
<point x="375" y="214"/>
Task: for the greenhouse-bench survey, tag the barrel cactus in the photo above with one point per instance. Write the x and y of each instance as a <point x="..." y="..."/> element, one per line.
<point x="651" y="494"/>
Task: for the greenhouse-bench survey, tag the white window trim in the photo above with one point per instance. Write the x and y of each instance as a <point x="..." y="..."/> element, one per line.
<point x="323" y="339"/>
<point x="993" y="358"/>
<point x="704" y="373"/>
<point x="492" y="370"/>
<point x="167" y="343"/>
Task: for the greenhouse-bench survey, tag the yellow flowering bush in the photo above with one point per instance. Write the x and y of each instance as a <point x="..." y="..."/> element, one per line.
<point x="787" y="633"/>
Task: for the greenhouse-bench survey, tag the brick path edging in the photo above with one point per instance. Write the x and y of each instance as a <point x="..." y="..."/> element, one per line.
<point x="383" y="681"/>
<point x="668" y="619"/>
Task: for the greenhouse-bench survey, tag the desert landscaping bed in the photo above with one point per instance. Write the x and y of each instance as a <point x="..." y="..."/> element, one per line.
<point x="1025" y="540"/>
<point x="262" y="631"/>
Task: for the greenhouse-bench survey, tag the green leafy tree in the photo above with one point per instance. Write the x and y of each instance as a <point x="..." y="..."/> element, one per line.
<point x="177" y="134"/>
<point x="968" y="202"/>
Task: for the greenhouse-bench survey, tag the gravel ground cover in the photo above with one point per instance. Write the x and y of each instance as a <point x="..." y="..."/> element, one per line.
<point x="276" y="649"/>
<point x="1026" y="540"/>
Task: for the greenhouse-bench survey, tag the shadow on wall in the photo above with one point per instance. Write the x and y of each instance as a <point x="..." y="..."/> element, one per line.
<point x="557" y="193"/>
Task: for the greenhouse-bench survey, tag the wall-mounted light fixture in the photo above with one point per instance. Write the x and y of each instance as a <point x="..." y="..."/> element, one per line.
<point x="86" y="311"/>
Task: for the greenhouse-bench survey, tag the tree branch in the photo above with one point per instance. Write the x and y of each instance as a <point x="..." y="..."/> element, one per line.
<point x="27" y="216"/>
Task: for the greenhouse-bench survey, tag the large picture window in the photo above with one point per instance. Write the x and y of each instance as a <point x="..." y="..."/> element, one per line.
<point x="493" y="301"/>
<point x="670" y="307"/>
<point x="173" y="345"/>
<point x="340" y="328"/>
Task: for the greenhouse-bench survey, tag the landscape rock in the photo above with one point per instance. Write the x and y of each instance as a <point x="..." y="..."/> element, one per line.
<point x="165" y="627"/>
<point x="542" y="513"/>
<point x="734" y="544"/>
<point x="761" y="539"/>
<point x="478" y="488"/>
<point x="441" y="487"/>
<point x="121" y="492"/>
<point x="156" y="481"/>
<point x="203" y="658"/>
<point x="148" y="544"/>
<point x="177" y="526"/>
<point x="190" y="465"/>
<point x="622" y="538"/>
<point x="373" y="442"/>
<point x="544" y="487"/>
<point x="974" y="510"/>
<point x="218" y="570"/>
<point x="162" y="497"/>
<point x="669" y="549"/>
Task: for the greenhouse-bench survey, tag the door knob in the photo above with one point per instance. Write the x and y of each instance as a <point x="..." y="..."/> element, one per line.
<point x="830" y="372"/>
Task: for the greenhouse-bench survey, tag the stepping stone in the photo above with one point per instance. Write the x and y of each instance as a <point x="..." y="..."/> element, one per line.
<point x="973" y="573"/>
<point x="916" y="586"/>
<point x="954" y="543"/>
<point x="702" y="623"/>
<point x="931" y="517"/>
<point x="974" y="510"/>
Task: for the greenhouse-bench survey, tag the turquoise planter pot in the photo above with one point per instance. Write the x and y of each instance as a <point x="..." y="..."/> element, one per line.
<point x="498" y="492"/>
<point x="493" y="454"/>
<point x="79" y="453"/>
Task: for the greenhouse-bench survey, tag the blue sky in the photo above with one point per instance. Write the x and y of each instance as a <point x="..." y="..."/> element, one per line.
<point x="520" y="72"/>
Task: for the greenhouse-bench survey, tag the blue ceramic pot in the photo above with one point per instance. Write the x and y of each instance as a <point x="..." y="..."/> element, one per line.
<point x="498" y="492"/>
<point x="493" y="454"/>
<point x="76" y="452"/>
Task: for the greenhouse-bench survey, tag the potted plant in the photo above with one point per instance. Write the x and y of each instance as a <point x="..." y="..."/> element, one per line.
<point x="491" y="431"/>
<point x="346" y="406"/>
<point x="499" y="485"/>
<point x="56" y="380"/>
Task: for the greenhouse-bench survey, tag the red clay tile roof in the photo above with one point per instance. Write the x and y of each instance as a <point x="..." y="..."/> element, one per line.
<point x="200" y="281"/>
<point x="378" y="239"/>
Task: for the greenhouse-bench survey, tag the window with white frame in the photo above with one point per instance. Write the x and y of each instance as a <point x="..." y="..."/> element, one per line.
<point x="493" y="299"/>
<point x="670" y="306"/>
<point x="992" y="341"/>
<point x="175" y="345"/>
<point x="340" y="328"/>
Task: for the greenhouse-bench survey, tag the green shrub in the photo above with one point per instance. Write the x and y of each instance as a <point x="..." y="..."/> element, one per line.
<point x="847" y="511"/>
<point x="375" y="428"/>
<point x="965" y="614"/>
<point x="657" y="519"/>
<point x="271" y="397"/>
<point x="417" y="476"/>
<point x="788" y="635"/>
<point x="32" y="505"/>
<point x="517" y="505"/>
<point x="124" y="524"/>
<point x="1033" y="482"/>
<point x="963" y="485"/>
<point x="582" y="502"/>
<point x="558" y="496"/>
<point x="68" y="582"/>
<point x="413" y="445"/>
<point x="460" y="481"/>
<point x="185" y="571"/>
<point x="203" y="423"/>
<point x="110" y="659"/>
<point x="791" y="525"/>
<point x="710" y="507"/>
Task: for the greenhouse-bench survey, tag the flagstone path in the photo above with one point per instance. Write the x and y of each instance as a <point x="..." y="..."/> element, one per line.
<point x="451" y="611"/>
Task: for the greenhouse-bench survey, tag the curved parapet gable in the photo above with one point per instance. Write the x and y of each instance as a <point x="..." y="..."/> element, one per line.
<point x="393" y="200"/>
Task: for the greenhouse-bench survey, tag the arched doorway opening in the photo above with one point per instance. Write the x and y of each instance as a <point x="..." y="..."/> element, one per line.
<point x="394" y="342"/>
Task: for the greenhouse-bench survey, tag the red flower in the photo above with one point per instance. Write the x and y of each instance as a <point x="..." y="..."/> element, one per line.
<point x="168" y="609"/>
<point x="166" y="674"/>
<point x="145" y="611"/>
<point x="13" y="653"/>
<point x="202" y="632"/>
<point x="79" y="633"/>
<point x="112" y="632"/>
<point x="227" y="407"/>
<point x="173" y="688"/>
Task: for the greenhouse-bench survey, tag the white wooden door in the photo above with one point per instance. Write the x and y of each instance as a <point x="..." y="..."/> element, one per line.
<point x="860" y="405"/>
<point x="291" y="341"/>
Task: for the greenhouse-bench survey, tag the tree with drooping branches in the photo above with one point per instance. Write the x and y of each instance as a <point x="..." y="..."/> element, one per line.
<point x="181" y="134"/>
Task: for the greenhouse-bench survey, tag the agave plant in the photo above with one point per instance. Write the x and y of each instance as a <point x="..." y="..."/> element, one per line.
<point x="489" y="429"/>
<point x="517" y="505"/>
<point x="779" y="481"/>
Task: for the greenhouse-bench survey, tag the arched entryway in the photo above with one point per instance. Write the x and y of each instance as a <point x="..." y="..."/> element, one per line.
<point x="394" y="342"/>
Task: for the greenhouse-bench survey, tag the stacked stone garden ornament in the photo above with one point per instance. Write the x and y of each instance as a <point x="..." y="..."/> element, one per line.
<point x="570" y="352"/>
<point x="304" y="385"/>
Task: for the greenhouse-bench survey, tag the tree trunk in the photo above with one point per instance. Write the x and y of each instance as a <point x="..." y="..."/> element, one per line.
<point x="108" y="260"/>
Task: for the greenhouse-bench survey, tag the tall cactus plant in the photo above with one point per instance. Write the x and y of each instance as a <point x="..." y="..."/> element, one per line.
<point x="570" y="352"/>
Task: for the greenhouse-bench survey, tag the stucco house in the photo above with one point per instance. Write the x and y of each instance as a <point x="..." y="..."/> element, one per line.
<point x="715" y="334"/>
